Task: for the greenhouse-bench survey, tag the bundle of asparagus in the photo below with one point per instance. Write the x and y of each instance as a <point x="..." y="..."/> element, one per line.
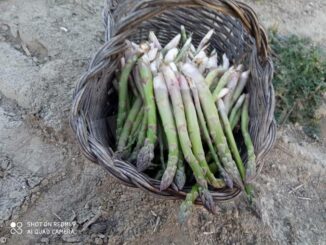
<point x="177" y="115"/>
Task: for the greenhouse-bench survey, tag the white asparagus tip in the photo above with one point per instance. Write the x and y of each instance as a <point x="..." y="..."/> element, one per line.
<point x="212" y="62"/>
<point x="226" y="62"/>
<point x="223" y="93"/>
<point x="153" y="38"/>
<point x="152" y="53"/>
<point x="240" y="68"/>
<point x="206" y="39"/>
<point x="173" y="43"/>
<point x="245" y="74"/>
<point x="171" y="55"/>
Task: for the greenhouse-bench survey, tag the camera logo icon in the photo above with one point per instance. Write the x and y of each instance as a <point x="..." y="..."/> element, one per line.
<point x="16" y="228"/>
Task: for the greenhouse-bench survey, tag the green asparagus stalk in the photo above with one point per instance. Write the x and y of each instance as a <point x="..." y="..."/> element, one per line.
<point x="251" y="162"/>
<point x="185" y="38"/>
<point x="230" y="138"/>
<point x="180" y="175"/>
<point x="181" y="123"/>
<point x="162" y="145"/>
<point x="138" y="121"/>
<point x="132" y="86"/>
<point x="213" y="76"/>
<point x="132" y="139"/>
<point x="235" y="120"/>
<point x="187" y="204"/>
<point x="207" y="138"/>
<point x="123" y="92"/>
<point x="128" y="125"/>
<point x="140" y="138"/>
<point x="183" y="34"/>
<point x="236" y="109"/>
<point x="184" y="50"/>
<point x="146" y="154"/>
<point x="194" y="132"/>
<point x="213" y="121"/>
<point x="165" y="111"/>
<point x="138" y="82"/>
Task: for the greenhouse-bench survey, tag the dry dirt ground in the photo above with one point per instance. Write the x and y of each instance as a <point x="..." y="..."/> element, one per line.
<point x="44" y="47"/>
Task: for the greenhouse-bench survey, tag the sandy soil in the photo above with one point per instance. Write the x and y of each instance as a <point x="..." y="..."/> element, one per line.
<point x="44" y="48"/>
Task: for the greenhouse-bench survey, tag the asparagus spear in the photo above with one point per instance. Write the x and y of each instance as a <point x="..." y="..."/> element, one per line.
<point x="184" y="50"/>
<point x="236" y="108"/>
<point x="137" y="121"/>
<point x="223" y="82"/>
<point x="140" y="138"/>
<point x="226" y="62"/>
<point x="162" y="145"/>
<point x="183" y="34"/>
<point x="172" y="44"/>
<point x="152" y="53"/>
<point x="187" y="205"/>
<point x="123" y="91"/>
<point x="223" y="93"/>
<point x="251" y="162"/>
<point x="128" y="125"/>
<point x="235" y="119"/>
<point x="230" y="137"/>
<point x="181" y="123"/>
<point x="194" y="132"/>
<point x="213" y="76"/>
<point x="180" y="175"/>
<point x="154" y="39"/>
<point x="146" y="154"/>
<point x="138" y="82"/>
<point x="208" y="140"/>
<point x="240" y="87"/>
<point x="205" y="40"/>
<point x="232" y="84"/>
<point x="132" y="139"/>
<point x="171" y="55"/>
<point x="213" y="120"/>
<point x="165" y="111"/>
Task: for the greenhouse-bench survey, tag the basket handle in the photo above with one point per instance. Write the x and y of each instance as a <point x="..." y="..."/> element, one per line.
<point x="127" y="10"/>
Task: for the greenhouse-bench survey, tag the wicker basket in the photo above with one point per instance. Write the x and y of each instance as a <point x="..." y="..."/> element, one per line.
<point x="238" y="34"/>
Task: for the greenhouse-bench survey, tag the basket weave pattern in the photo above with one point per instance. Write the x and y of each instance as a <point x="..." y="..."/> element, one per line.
<point x="237" y="33"/>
